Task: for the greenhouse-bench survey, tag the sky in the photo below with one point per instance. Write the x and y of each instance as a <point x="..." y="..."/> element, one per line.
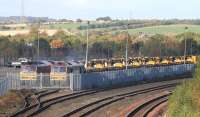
<point x="91" y="9"/>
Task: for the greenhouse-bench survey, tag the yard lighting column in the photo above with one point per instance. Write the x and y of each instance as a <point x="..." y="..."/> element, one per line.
<point x="86" y="56"/>
<point x="38" y="36"/>
<point x="185" y="45"/>
<point x="127" y="47"/>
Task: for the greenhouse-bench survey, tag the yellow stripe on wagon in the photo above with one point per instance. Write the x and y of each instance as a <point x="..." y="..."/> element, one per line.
<point x="58" y="76"/>
<point x="28" y="76"/>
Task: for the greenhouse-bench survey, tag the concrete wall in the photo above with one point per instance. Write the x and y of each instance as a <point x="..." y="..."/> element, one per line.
<point x="126" y="77"/>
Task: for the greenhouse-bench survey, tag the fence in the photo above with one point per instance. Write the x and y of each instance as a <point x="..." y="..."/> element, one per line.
<point x="42" y="81"/>
<point x="4" y="82"/>
<point x="125" y="77"/>
<point x="10" y="78"/>
<point x="5" y="70"/>
<point x="3" y="86"/>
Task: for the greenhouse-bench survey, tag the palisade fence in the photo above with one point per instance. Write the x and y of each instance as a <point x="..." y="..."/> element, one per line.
<point x="42" y="81"/>
<point x="4" y="81"/>
<point x="3" y="86"/>
<point x="130" y="76"/>
<point x="10" y="80"/>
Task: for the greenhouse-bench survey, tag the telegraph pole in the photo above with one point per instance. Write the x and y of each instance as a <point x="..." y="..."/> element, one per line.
<point x="86" y="56"/>
<point x="185" y="45"/>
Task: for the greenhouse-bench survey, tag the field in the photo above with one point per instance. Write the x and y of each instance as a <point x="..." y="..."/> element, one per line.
<point x="63" y="26"/>
<point x="162" y="29"/>
<point x="50" y="32"/>
<point x="166" y="29"/>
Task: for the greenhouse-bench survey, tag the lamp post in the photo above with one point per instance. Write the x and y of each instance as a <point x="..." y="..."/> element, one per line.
<point x="86" y="56"/>
<point x="127" y="47"/>
<point x="38" y="36"/>
<point x="185" y="50"/>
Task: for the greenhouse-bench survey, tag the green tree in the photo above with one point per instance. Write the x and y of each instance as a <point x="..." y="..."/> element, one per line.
<point x="44" y="47"/>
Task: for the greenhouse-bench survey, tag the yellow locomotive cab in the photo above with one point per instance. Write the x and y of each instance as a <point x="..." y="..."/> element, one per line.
<point x="99" y="66"/>
<point x="189" y="60"/>
<point x="194" y="58"/>
<point x="151" y="62"/>
<point x="119" y="65"/>
<point x="136" y="64"/>
<point x="165" y="62"/>
<point x="178" y="61"/>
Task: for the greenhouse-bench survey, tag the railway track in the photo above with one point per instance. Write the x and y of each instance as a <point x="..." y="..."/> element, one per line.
<point x="40" y="106"/>
<point x="143" y="109"/>
<point x="87" y="109"/>
<point x="153" y="107"/>
<point x="94" y="106"/>
<point x="29" y="105"/>
<point x="27" y="101"/>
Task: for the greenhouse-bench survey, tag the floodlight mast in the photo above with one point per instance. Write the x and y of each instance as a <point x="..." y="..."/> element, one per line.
<point x="87" y="46"/>
<point x="185" y="50"/>
<point x="127" y="47"/>
<point x="38" y="36"/>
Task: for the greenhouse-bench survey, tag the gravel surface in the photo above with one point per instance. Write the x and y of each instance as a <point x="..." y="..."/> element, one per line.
<point x="60" y="109"/>
<point x="114" y="109"/>
<point x="59" y="93"/>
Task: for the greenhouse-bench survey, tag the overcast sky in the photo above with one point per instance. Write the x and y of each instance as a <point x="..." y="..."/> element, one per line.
<point x="91" y="9"/>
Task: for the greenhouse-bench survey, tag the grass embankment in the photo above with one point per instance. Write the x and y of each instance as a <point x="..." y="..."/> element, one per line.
<point x="185" y="101"/>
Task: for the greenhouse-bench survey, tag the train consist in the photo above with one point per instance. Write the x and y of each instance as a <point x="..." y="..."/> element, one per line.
<point x="116" y="64"/>
<point x="98" y="65"/>
<point x="78" y="76"/>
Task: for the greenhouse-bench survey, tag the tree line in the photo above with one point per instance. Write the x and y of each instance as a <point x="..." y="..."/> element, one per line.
<point x="122" y="24"/>
<point x="101" y="45"/>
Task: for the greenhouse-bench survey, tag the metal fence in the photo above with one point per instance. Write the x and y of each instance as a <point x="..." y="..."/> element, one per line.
<point x="125" y="77"/>
<point x="42" y="81"/>
<point x="10" y="79"/>
<point x="3" y="86"/>
<point x="5" y="70"/>
<point x="4" y="81"/>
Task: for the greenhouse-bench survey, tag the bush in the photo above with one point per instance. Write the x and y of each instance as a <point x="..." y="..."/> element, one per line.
<point x="185" y="101"/>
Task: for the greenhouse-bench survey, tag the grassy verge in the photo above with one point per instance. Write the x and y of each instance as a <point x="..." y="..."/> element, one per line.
<point x="10" y="102"/>
<point x="185" y="101"/>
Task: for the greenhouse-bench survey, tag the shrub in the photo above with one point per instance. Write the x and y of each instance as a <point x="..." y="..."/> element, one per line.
<point x="185" y="101"/>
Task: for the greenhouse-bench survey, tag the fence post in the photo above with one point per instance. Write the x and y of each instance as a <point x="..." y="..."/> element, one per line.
<point x="1" y="90"/>
<point x="40" y="80"/>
